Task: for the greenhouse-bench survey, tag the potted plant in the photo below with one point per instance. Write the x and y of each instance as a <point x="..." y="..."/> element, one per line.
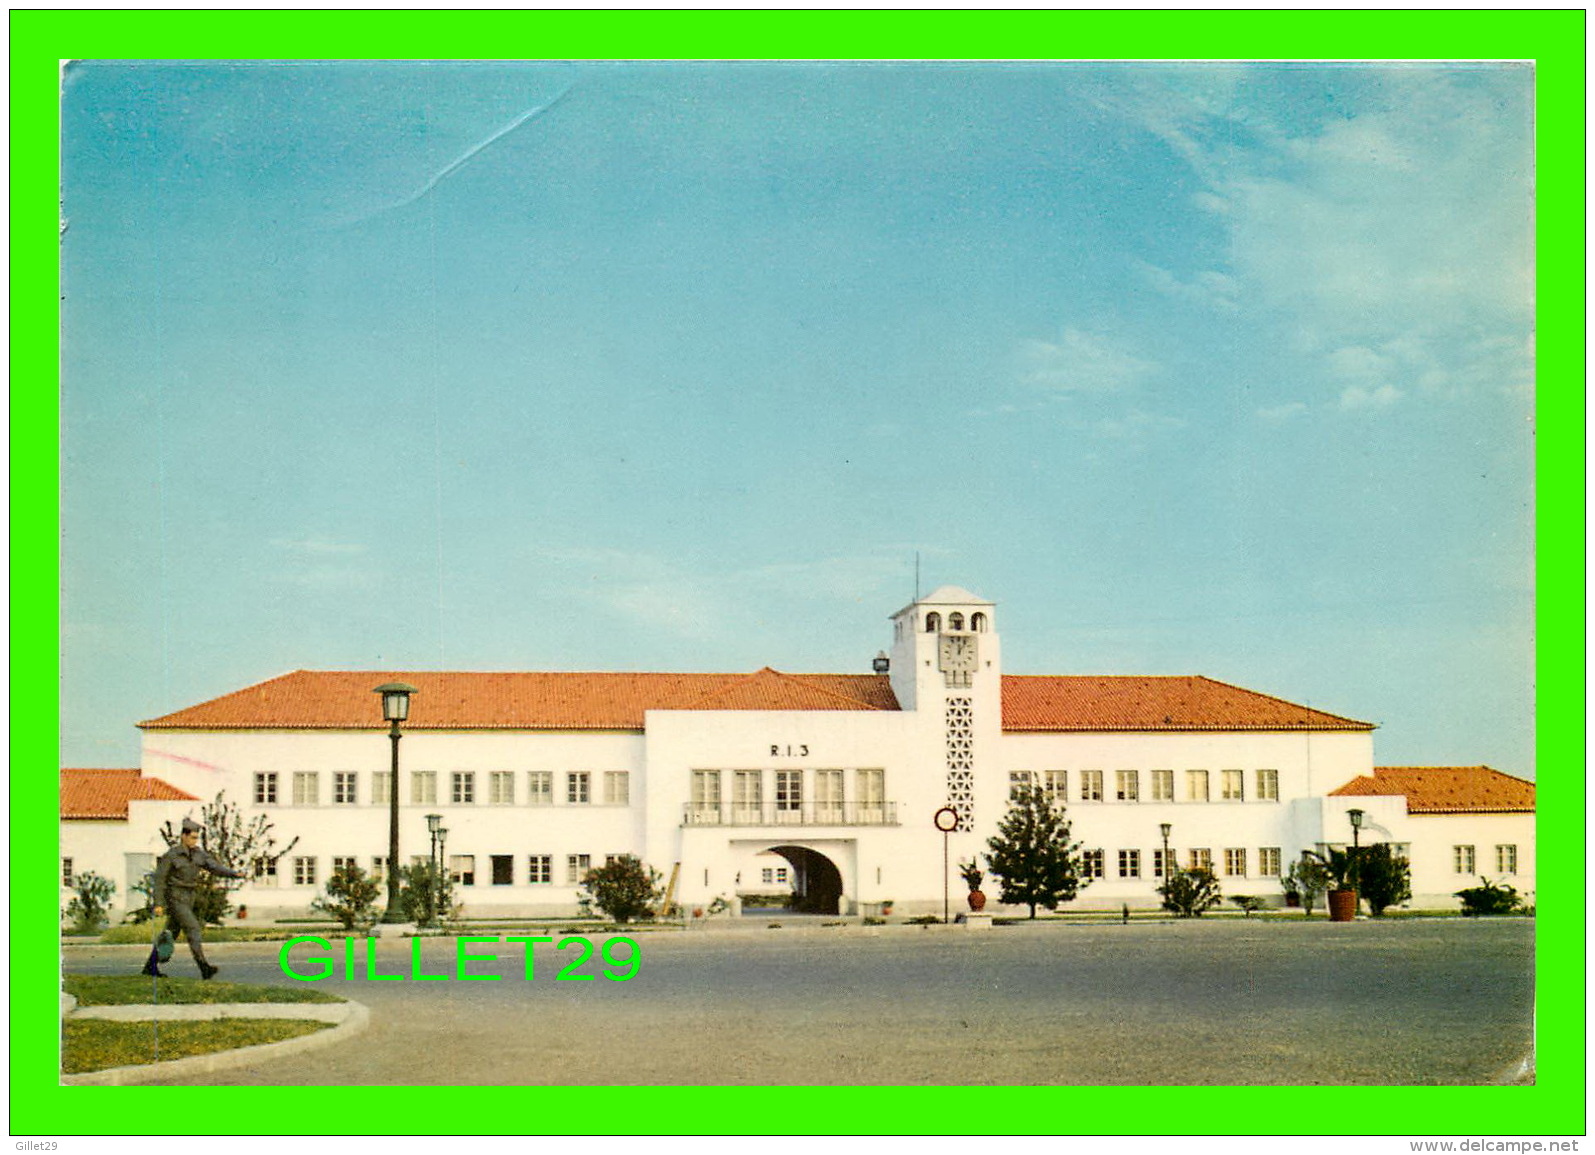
<point x="1342" y="895"/>
<point x="886" y="908"/>
<point x="972" y="875"/>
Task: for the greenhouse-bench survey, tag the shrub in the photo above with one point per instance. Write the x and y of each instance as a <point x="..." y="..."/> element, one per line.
<point x="1308" y="877"/>
<point x="925" y="920"/>
<point x="87" y="910"/>
<point x="1488" y="898"/>
<point x="351" y="898"/>
<point x="1384" y="878"/>
<point x="1247" y="903"/>
<point x="1188" y="893"/>
<point x="624" y="889"/>
<point x="426" y="894"/>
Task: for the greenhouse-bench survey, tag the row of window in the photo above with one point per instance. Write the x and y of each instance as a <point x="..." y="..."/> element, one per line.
<point x="748" y="788"/>
<point x="305" y="869"/>
<point x="1464" y="859"/>
<point x="1095" y="862"/>
<point x="579" y="787"/>
<point x="1093" y="786"/>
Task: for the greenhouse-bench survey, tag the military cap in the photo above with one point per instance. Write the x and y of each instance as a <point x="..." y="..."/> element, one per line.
<point x="191" y="827"/>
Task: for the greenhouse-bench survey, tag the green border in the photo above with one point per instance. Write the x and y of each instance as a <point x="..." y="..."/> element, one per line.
<point x="1554" y="39"/>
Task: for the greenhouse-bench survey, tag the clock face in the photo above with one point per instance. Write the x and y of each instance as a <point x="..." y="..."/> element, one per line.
<point x="957" y="653"/>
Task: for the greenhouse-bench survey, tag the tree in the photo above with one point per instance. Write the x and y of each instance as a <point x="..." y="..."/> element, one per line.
<point x="1189" y="893"/>
<point x="351" y="897"/>
<point x="87" y="910"/>
<point x="1031" y="855"/>
<point x="247" y="846"/>
<point x="1384" y="877"/>
<point x="426" y="894"/>
<point x="1311" y="879"/>
<point x="625" y="888"/>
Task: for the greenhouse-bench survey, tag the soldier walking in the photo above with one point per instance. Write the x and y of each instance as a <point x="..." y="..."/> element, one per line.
<point x="176" y="875"/>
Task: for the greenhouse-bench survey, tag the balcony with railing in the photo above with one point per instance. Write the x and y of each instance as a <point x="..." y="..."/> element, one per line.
<point x="791" y="814"/>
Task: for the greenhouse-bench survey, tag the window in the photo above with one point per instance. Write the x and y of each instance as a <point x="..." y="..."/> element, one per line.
<point x="767" y="876"/>
<point x="462" y="787"/>
<point x="780" y="874"/>
<point x="1196" y="785"/>
<point x="266" y="788"/>
<point x="381" y="783"/>
<point x="423" y="787"/>
<point x="1201" y="859"/>
<point x="1162" y="786"/>
<point x="1157" y="862"/>
<point x="343" y="862"/>
<point x="788" y="795"/>
<point x="1268" y="785"/>
<point x="1127" y="785"/>
<point x="1506" y="859"/>
<point x="66" y="872"/>
<point x="1235" y="862"/>
<point x="501" y="788"/>
<point x="1462" y="859"/>
<point x="307" y="787"/>
<point x="611" y="859"/>
<point x="576" y="867"/>
<point x="1019" y="780"/>
<point x="706" y="795"/>
<point x="304" y="872"/>
<point x="932" y="622"/>
<point x="1232" y="786"/>
<point x="955" y="621"/>
<point x="1268" y="861"/>
<point x="1055" y="785"/>
<point x="503" y="870"/>
<point x="578" y="787"/>
<point x="540" y="868"/>
<point x="343" y="787"/>
<point x="264" y="871"/>
<point x="1129" y="864"/>
<point x="977" y="622"/>
<point x="462" y="869"/>
<point x="828" y="795"/>
<point x="379" y="865"/>
<point x="747" y="794"/>
<point x="617" y="788"/>
<point x="1090" y="786"/>
<point x="1091" y="864"/>
<point x="540" y="787"/>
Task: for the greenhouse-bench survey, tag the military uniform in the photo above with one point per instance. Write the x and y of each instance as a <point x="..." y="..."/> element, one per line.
<point x="176" y="876"/>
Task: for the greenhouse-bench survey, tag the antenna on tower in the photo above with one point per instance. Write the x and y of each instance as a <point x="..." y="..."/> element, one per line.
<point x="916" y="575"/>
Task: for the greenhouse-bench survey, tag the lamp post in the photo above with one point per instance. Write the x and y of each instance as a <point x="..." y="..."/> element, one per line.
<point x="1356" y="817"/>
<point x="441" y="881"/>
<point x="434" y="823"/>
<point x="395" y="709"/>
<point x="1166" y="828"/>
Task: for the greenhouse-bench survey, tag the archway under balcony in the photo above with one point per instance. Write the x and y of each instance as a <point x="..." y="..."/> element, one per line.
<point x="816" y="880"/>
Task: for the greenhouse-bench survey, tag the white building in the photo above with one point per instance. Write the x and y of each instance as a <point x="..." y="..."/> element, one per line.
<point x="111" y="826"/>
<point x="538" y="776"/>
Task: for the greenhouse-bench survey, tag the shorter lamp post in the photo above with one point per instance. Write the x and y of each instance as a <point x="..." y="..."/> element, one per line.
<point x="434" y="823"/>
<point x="395" y="709"/>
<point x="1356" y="817"/>
<point x="1167" y="828"/>
<point x="440" y="880"/>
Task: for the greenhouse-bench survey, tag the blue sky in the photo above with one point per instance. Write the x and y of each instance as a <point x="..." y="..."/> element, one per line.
<point x="1192" y="369"/>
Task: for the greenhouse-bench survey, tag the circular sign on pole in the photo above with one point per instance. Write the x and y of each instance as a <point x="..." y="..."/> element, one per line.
<point x="946" y="820"/>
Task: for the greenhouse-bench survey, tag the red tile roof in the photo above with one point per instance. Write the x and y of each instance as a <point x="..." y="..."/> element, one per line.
<point x="1447" y="789"/>
<point x="343" y="700"/>
<point x="106" y="793"/>
<point x="1073" y="702"/>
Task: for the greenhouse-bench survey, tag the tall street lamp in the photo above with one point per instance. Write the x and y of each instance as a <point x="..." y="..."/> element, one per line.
<point x="441" y="881"/>
<point x="434" y="823"/>
<point x="1356" y="817"/>
<point x="1166" y="828"/>
<point x="395" y="709"/>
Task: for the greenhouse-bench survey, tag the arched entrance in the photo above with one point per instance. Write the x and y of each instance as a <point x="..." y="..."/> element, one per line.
<point x="816" y="882"/>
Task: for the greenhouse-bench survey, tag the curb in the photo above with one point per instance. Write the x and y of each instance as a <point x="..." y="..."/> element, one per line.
<point x="352" y="1018"/>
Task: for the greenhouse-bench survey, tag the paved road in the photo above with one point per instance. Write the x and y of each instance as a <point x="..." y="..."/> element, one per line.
<point x="1200" y="1002"/>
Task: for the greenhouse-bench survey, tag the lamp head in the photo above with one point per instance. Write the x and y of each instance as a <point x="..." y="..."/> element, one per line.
<point x="434" y="823"/>
<point x="1356" y="817"/>
<point x="396" y="700"/>
<point x="1166" y="828"/>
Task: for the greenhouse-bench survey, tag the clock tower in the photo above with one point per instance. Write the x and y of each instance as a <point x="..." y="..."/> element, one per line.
<point x="946" y="666"/>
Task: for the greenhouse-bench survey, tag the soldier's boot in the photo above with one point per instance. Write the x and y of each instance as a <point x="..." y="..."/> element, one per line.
<point x="206" y="971"/>
<point x="152" y="965"/>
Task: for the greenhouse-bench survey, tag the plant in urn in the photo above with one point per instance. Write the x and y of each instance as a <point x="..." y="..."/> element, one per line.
<point x="971" y="874"/>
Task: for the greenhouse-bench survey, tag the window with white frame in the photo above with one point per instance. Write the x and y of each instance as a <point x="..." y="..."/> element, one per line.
<point x="540" y="787"/>
<point x="828" y="795"/>
<point x="1157" y="862"/>
<point x="501" y="787"/>
<point x="1196" y="785"/>
<point x="1019" y="780"/>
<point x="1055" y="785"/>
<point x="1268" y="861"/>
<point x="617" y="788"/>
<point x="462" y="869"/>
<point x="423" y="787"/>
<point x="540" y="868"/>
<point x="1127" y="785"/>
<point x="780" y="874"/>
<point x="343" y="862"/>
<point x="66" y="872"/>
<point x="1506" y="858"/>
<point x="1162" y="786"/>
<point x="767" y="875"/>
<point x="747" y="794"/>
<point x="871" y="793"/>
<point x="307" y="787"/>
<point x="462" y="787"/>
<point x="263" y="871"/>
<point x="1090" y="786"/>
<point x="578" y="787"/>
<point x="1232" y="785"/>
<point x="266" y="788"/>
<point x="576" y="868"/>
<point x="379" y="865"/>
<point x="1201" y="858"/>
<point x="381" y="783"/>
<point x="343" y="787"/>
<point x="1235" y="862"/>
<point x="1268" y="785"/>
<point x="706" y="795"/>
<point x="1091" y="864"/>
<point x="1129" y="864"/>
<point x="788" y="793"/>
<point x="1462" y="859"/>
<point x="304" y="872"/>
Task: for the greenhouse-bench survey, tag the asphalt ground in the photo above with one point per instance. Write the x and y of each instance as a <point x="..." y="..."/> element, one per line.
<point x="1204" y="1002"/>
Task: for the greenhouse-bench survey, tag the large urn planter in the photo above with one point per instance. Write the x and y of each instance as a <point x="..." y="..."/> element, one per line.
<point x="1342" y="905"/>
<point x="977" y="901"/>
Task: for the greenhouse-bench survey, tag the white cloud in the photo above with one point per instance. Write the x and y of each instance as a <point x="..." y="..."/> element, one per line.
<point x="1361" y="397"/>
<point x="1208" y="288"/>
<point x="1081" y="362"/>
<point x="1278" y="413"/>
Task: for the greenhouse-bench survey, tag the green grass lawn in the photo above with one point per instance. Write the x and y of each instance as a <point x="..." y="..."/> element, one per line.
<point x="121" y="990"/>
<point x="94" y="1044"/>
